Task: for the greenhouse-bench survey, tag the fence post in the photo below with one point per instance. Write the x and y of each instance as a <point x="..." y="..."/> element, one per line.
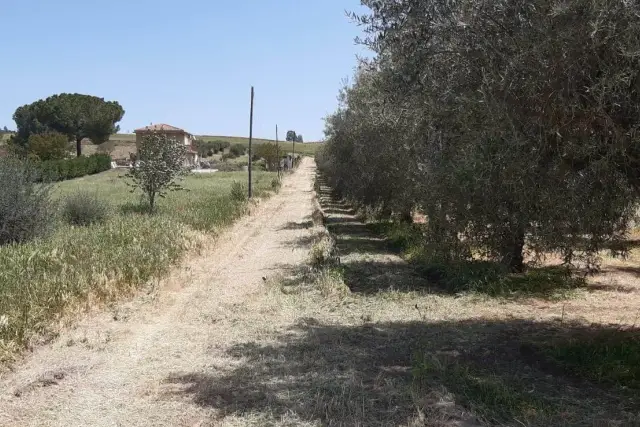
<point x="277" y="152"/>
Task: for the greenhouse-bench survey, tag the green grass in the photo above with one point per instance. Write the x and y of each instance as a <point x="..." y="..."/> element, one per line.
<point x="203" y="205"/>
<point x="42" y="280"/>
<point x="610" y="356"/>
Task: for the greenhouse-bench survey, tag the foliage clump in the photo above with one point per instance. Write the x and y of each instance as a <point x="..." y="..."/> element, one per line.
<point x="238" y="192"/>
<point x="26" y="207"/>
<point x="85" y="208"/>
<point x="237" y="150"/>
<point x="48" y="146"/>
<point x="268" y="152"/>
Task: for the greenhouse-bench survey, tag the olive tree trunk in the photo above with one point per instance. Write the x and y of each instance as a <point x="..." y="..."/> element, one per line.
<point x="512" y="253"/>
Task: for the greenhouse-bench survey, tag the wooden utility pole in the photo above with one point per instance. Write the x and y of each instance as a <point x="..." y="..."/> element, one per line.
<point x="277" y="152"/>
<point x="250" y="139"/>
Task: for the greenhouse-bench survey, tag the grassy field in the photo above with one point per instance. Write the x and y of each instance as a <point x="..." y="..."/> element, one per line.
<point x="75" y="267"/>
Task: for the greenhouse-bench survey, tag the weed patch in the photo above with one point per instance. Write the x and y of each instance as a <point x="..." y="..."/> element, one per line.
<point x="489" y="396"/>
<point x="610" y="357"/>
<point x="85" y="209"/>
<point x="323" y="253"/>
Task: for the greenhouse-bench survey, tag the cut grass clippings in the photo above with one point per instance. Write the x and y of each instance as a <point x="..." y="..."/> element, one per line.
<point x="41" y="279"/>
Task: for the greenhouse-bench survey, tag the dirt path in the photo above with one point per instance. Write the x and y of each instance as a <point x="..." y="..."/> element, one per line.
<point x="116" y="369"/>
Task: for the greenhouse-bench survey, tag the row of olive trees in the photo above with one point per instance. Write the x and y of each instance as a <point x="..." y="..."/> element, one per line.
<point x="513" y="125"/>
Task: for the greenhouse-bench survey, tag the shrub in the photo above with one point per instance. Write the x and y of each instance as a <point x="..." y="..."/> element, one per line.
<point x="276" y="183"/>
<point x="25" y="205"/>
<point x="238" y="191"/>
<point x="107" y="147"/>
<point x="209" y="148"/>
<point x="85" y="209"/>
<point x="63" y="169"/>
<point x="48" y="146"/>
<point x="324" y="252"/>
<point x="268" y="152"/>
<point x="237" y="150"/>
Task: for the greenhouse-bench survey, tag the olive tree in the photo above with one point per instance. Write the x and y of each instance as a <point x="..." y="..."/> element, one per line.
<point x="159" y="165"/>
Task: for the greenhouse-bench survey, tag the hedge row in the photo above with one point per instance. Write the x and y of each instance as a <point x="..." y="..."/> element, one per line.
<point x="60" y="170"/>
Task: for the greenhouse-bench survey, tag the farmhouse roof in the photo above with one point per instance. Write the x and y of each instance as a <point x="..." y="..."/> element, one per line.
<point x="160" y="127"/>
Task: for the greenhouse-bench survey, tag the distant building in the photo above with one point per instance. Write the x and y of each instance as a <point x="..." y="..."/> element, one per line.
<point x="178" y="134"/>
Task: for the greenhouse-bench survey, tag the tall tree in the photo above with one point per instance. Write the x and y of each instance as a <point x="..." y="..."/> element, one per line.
<point x="291" y="135"/>
<point x="75" y="115"/>
<point x="299" y="139"/>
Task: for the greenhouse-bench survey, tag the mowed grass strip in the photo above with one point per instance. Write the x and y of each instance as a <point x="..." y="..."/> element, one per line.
<point x="42" y="280"/>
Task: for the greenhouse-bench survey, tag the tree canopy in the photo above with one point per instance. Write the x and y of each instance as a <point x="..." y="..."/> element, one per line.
<point x="512" y="125"/>
<point x="158" y="167"/>
<point x="291" y="135"/>
<point x="74" y="115"/>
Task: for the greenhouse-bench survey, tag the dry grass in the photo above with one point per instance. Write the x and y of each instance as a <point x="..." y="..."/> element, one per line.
<point x="398" y="350"/>
<point x="41" y="281"/>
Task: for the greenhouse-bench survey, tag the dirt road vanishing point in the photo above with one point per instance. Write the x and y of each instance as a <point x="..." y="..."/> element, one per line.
<point x="137" y="365"/>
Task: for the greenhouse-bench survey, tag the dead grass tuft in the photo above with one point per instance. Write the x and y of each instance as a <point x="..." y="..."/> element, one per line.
<point x="323" y="253"/>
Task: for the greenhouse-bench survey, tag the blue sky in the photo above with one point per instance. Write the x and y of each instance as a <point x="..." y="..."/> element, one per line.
<point x="187" y="63"/>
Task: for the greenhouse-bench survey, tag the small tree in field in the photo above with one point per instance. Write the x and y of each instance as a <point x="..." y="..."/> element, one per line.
<point x="159" y="165"/>
<point x="268" y="152"/>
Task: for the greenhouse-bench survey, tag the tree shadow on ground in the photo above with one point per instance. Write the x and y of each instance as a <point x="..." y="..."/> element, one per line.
<point x="297" y="225"/>
<point x="371" y="277"/>
<point x="610" y="287"/>
<point x="635" y="271"/>
<point x="413" y="373"/>
<point x="371" y="264"/>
